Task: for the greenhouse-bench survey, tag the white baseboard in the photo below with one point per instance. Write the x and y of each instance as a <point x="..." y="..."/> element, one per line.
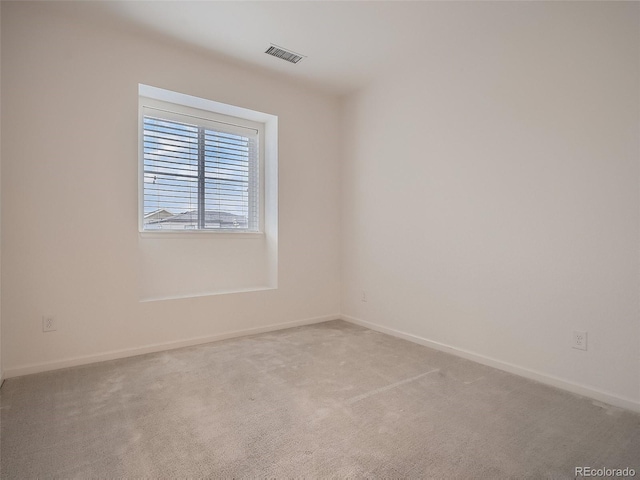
<point x="132" y="352"/>
<point x="563" y="384"/>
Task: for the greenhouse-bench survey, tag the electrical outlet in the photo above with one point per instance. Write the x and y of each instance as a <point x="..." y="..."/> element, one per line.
<point x="363" y="296"/>
<point x="49" y="324"/>
<point x="579" y="340"/>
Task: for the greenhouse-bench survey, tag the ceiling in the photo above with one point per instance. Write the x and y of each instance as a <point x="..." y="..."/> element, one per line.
<point x="347" y="43"/>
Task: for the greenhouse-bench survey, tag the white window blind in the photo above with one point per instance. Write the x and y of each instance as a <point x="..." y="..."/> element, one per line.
<point x="199" y="174"/>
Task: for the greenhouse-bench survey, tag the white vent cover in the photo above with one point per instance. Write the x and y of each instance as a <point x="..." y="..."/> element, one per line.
<point x="284" y="54"/>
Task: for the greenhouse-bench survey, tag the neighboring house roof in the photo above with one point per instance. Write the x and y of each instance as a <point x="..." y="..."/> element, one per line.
<point x="158" y="214"/>
<point x="211" y="217"/>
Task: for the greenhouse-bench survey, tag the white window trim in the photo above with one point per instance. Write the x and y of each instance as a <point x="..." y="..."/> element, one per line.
<point x="268" y="131"/>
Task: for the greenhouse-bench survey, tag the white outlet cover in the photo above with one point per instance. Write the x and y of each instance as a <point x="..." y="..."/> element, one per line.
<point x="579" y="340"/>
<point x="48" y="324"/>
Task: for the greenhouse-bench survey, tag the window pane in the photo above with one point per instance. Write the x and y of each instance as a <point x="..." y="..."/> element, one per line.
<point x="226" y="180"/>
<point x="170" y="175"/>
<point x="199" y="173"/>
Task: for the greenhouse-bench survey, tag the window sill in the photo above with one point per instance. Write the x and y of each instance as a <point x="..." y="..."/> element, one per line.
<point x="209" y="294"/>
<point x="201" y="233"/>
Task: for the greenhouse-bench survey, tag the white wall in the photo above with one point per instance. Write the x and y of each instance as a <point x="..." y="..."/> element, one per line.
<point x="1" y="370"/>
<point x="70" y="243"/>
<point x="491" y="195"/>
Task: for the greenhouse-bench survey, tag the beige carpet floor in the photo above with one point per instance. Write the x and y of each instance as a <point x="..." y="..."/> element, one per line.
<point x="320" y="401"/>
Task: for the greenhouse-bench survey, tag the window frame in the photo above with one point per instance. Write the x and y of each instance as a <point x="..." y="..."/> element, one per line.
<point x="213" y="112"/>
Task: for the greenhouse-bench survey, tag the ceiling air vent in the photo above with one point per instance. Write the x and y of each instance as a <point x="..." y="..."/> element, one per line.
<point x="287" y="55"/>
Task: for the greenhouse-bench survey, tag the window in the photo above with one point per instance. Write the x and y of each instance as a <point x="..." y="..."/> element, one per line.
<point x="201" y="171"/>
<point x="207" y="196"/>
